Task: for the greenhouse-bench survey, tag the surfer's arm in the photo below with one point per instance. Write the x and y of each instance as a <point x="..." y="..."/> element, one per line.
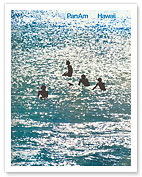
<point x="46" y="93"/>
<point x="39" y="93"/>
<point x="95" y="86"/>
<point x="79" y="82"/>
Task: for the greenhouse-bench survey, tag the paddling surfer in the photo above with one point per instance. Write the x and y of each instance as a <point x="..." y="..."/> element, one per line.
<point x="100" y="84"/>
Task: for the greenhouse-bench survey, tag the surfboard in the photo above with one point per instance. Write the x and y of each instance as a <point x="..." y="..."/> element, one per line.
<point x="50" y="96"/>
<point x="79" y="87"/>
<point x="53" y="96"/>
<point x="89" y="87"/>
<point x="31" y="96"/>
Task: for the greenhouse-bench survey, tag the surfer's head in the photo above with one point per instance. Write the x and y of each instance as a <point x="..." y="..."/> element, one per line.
<point x="100" y="79"/>
<point x="67" y="62"/>
<point x="83" y="76"/>
<point x="43" y="87"/>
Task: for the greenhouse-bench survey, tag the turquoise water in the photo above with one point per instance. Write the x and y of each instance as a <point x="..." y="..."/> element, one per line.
<point x="75" y="125"/>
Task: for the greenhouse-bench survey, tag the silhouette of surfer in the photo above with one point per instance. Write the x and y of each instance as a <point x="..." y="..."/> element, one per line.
<point x="43" y="94"/>
<point x="84" y="81"/>
<point x="100" y="84"/>
<point x="70" y="70"/>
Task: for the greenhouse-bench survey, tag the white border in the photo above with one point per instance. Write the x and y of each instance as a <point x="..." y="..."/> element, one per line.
<point x="133" y="9"/>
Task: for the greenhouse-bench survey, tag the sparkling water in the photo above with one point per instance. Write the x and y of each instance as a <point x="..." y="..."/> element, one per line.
<point x="75" y="125"/>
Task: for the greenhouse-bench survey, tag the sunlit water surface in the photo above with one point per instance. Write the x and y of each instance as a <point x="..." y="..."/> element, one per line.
<point x="75" y="125"/>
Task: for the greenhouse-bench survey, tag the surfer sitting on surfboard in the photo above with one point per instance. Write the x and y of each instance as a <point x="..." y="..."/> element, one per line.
<point x="100" y="84"/>
<point x="43" y="94"/>
<point x="70" y="70"/>
<point x="84" y="81"/>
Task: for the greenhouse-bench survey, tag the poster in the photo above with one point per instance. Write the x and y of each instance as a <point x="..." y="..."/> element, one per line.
<point x="71" y="87"/>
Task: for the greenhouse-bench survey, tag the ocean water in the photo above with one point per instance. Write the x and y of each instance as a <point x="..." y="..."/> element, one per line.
<point x="75" y="125"/>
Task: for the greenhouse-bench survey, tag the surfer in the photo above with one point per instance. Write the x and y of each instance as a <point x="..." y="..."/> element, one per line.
<point x="100" y="84"/>
<point x="70" y="70"/>
<point x="84" y="81"/>
<point x="43" y="94"/>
